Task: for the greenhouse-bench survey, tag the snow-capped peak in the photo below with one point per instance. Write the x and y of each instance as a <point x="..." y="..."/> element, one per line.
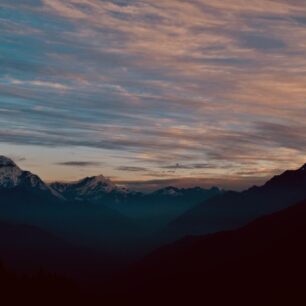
<point x="12" y="176"/>
<point x="93" y="188"/>
<point x="97" y="183"/>
<point x="10" y="173"/>
<point x="169" y="191"/>
<point x="6" y="162"/>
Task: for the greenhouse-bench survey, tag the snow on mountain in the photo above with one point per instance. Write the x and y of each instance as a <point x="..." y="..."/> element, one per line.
<point x="88" y="188"/>
<point x="169" y="191"/>
<point x="95" y="184"/>
<point x="11" y="176"/>
<point x="172" y="191"/>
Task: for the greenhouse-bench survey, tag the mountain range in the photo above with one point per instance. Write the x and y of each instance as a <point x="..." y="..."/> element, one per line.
<point x="95" y="188"/>
<point x="223" y="247"/>
<point x="92" y="212"/>
<point x="95" y="211"/>
<point x="232" y="209"/>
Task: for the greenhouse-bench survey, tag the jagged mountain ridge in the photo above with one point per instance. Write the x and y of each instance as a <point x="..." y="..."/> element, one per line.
<point x="293" y="178"/>
<point x="177" y="192"/>
<point x="153" y="210"/>
<point x="94" y="211"/>
<point x="233" y="209"/>
<point x="90" y="188"/>
<point x="95" y="188"/>
<point x="11" y="176"/>
<point x="100" y="188"/>
<point x="26" y="199"/>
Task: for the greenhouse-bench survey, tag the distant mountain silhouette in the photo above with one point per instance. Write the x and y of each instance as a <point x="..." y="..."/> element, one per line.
<point x="153" y="210"/>
<point x="187" y="192"/>
<point x="234" y="209"/>
<point x="98" y="189"/>
<point x="262" y="263"/>
<point x="94" y="211"/>
<point x="54" y="227"/>
<point x="26" y="199"/>
<point x="169" y="200"/>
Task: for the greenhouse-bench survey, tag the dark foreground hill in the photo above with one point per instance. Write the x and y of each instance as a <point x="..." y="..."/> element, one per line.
<point x="38" y="289"/>
<point x="260" y="264"/>
<point x="29" y="249"/>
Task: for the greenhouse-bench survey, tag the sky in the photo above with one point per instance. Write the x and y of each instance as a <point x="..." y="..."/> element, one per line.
<point x="151" y="93"/>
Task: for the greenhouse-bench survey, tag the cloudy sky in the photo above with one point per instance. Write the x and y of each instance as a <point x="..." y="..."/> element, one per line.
<point x="181" y="92"/>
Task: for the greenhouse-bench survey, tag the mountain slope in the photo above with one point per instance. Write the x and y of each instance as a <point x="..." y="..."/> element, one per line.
<point x="28" y="248"/>
<point x="94" y="189"/>
<point x="80" y="222"/>
<point x="151" y="210"/>
<point x="11" y="176"/>
<point x="233" y="209"/>
<point x="262" y="263"/>
<point x="26" y="199"/>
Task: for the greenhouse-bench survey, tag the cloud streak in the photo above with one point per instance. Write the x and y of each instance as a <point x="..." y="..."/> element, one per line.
<point x="131" y="169"/>
<point x="80" y="164"/>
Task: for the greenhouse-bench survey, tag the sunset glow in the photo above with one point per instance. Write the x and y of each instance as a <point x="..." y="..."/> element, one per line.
<point x="160" y="92"/>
